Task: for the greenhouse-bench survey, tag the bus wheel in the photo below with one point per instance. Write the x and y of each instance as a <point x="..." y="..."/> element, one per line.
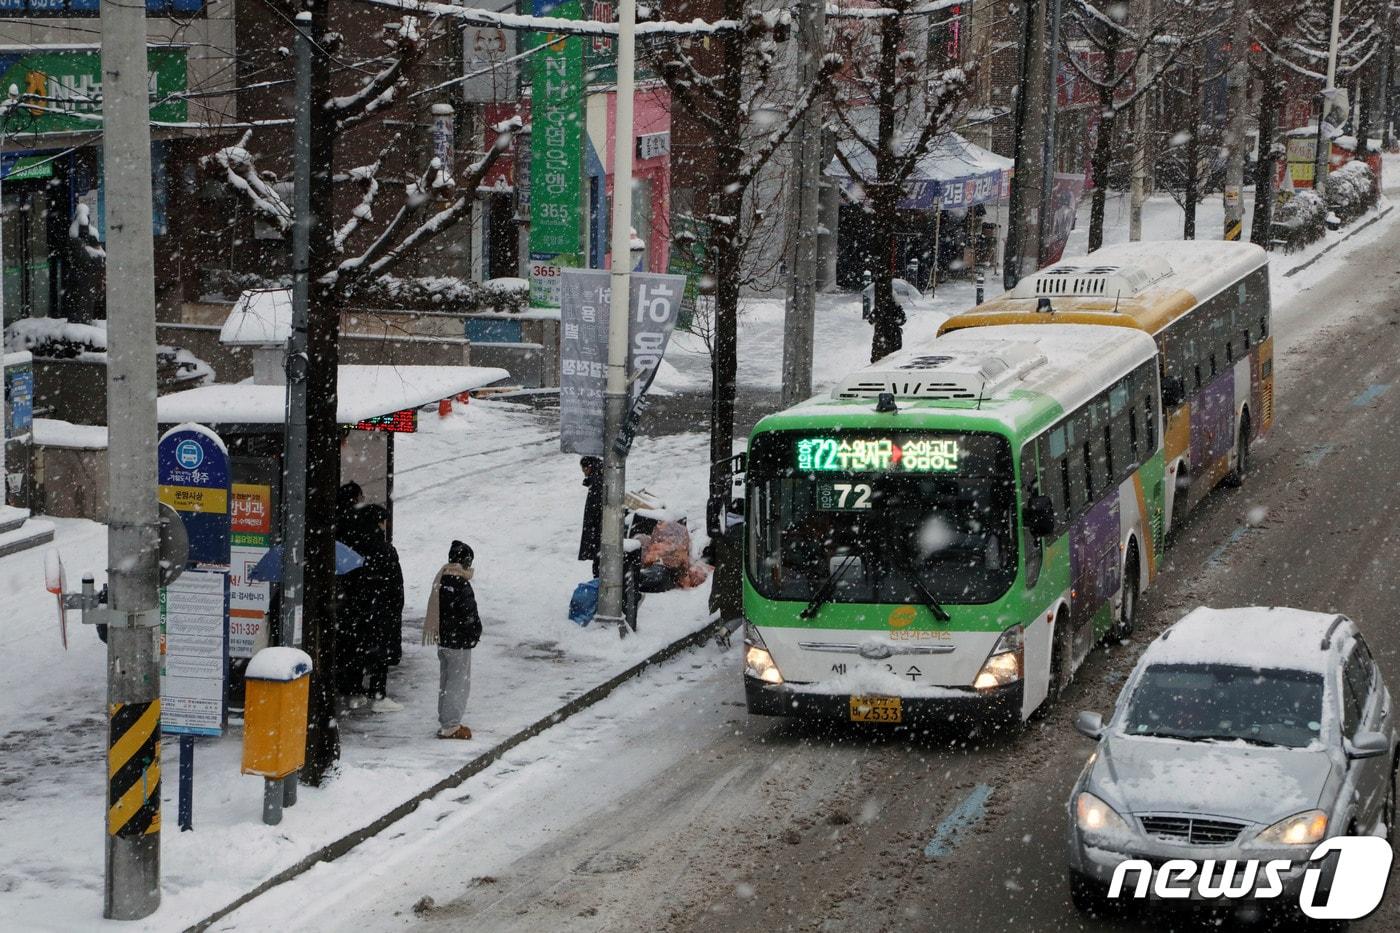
<point x="1126" y="624"/>
<point x="1237" y="476"/>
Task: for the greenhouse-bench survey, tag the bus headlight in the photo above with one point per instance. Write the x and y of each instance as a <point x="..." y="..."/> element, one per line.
<point x="758" y="662"/>
<point x="1005" y="664"/>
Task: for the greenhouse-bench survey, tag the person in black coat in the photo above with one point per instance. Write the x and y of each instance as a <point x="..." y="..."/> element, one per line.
<point x="350" y="624"/>
<point x="454" y="625"/>
<point x="590" y="541"/>
<point x="379" y="591"/>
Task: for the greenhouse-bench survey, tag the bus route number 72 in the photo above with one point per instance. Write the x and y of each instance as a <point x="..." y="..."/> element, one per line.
<point x="852" y="495"/>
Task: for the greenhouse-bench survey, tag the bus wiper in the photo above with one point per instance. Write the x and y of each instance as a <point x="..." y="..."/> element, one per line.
<point x="912" y="577"/>
<point x="824" y="593"/>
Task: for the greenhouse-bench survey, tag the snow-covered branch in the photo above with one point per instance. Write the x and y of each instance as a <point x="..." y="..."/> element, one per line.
<point x="241" y="172"/>
<point x="393" y="243"/>
<point x="556" y="25"/>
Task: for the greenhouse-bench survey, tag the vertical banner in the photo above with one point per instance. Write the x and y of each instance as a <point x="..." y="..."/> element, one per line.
<point x="251" y="524"/>
<point x="556" y="155"/>
<point x="583" y="347"/>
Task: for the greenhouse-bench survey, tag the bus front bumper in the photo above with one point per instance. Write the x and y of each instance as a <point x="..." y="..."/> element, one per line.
<point x="1001" y="704"/>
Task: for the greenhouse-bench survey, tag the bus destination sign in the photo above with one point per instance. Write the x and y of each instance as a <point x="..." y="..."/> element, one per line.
<point x="878" y="455"/>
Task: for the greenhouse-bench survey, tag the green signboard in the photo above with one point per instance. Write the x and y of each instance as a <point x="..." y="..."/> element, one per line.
<point x="70" y="82"/>
<point x="556" y="144"/>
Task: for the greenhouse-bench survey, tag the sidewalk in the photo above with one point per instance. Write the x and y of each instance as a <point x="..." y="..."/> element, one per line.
<point x="491" y="474"/>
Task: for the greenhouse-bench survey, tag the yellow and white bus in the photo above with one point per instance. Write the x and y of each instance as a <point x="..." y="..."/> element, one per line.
<point x="1206" y="304"/>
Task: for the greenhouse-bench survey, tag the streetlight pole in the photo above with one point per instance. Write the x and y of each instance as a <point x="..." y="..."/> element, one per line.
<point x="616" y="393"/>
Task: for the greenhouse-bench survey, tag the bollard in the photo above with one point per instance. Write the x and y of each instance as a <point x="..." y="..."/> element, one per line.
<point x="981" y="287"/>
<point x="272" y="801"/>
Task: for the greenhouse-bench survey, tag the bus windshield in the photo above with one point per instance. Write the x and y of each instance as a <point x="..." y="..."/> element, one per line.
<point x="894" y="518"/>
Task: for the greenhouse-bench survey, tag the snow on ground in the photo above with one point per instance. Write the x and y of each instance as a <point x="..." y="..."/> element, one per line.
<point x="841" y="343"/>
<point x="492" y="475"/>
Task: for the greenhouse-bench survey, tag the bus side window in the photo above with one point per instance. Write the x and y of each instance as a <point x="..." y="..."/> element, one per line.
<point x="1212" y="365"/>
<point x="1133" y="434"/>
<point x="1263" y="326"/>
<point x="1229" y="352"/>
<point x="1198" y="375"/>
<point x="1246" y="339"/>
<point x="1077" y="465"/>
<point x="1054" y="480"/>
<point x="1031" y="487"/>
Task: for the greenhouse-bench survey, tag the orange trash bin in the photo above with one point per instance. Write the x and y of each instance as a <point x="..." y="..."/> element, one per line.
<point x="278" y="685"/>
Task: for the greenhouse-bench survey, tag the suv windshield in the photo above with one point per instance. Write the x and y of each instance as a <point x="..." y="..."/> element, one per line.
<point x="894" y="510"/>
<point x="1204" y="702"/>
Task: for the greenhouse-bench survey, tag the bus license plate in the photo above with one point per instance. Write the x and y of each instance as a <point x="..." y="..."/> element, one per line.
<point x="877" y="709"/>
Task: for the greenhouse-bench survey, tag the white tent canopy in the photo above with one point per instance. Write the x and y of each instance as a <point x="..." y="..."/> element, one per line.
<point x="953" y="172"/>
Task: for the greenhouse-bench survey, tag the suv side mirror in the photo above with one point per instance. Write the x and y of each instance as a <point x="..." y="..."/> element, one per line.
<point x="1367" y="745"/>
<point x="1173" y="391"/>
<point x="1089" y="724"/>
<point x="1039" y="516"/>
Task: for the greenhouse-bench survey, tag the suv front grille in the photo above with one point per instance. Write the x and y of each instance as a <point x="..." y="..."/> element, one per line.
<point x="1192" y="830"/>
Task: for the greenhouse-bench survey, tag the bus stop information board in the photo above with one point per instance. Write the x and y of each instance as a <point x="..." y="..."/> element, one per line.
<point x="194" y="653"/>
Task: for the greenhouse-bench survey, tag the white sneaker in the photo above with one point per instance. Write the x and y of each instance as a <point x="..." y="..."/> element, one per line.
<point x="385" y="705"/>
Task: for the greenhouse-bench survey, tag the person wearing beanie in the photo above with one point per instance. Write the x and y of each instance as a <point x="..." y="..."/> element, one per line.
<point x="454" y="625"/>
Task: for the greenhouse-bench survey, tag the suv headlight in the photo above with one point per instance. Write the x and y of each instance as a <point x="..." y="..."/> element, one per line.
<point x="1301" y="829"/>
<point x="1092" y="815"/>
<point x="1006" y="664"/>
<point x="758" y="662"/>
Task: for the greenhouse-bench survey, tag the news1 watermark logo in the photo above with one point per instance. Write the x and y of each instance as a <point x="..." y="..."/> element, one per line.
<point x="1358" y="878"/>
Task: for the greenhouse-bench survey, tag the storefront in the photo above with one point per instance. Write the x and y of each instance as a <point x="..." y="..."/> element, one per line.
<point x="52" y="164"/>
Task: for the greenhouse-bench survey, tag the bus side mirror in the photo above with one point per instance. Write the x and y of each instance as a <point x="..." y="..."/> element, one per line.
<point x="1173" y="391"/>
<point x="1039" y="516"/>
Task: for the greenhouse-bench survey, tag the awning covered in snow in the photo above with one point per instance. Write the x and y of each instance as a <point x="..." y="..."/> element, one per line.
<point x="364" y="393"/>
<point x="954" y="173"/>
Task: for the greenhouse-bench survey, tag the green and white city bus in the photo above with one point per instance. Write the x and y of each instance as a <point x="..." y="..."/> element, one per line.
<point x="951" y="530"/>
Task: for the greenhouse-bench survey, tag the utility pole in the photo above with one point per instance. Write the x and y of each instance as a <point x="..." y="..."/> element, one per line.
<point x="806" y="202"/>
<point x="132" y="877"/>
<point x="1045" y="227"/>
<point x="1022" y="221"/>
<point x="294" y="443"/>
<point x="1322" y="160"/>
<point x="1234" y="127"/>
<point x="616" y="391"/>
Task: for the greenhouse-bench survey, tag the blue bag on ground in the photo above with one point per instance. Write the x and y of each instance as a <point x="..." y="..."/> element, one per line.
<point x="584" y="602"/>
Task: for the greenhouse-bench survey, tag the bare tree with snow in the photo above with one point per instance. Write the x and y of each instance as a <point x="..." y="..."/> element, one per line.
<point x="891" y="110"/>
<point x="1103" y="46"/>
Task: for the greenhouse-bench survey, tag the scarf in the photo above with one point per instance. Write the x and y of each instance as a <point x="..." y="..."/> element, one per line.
<point x="432" y="620"/>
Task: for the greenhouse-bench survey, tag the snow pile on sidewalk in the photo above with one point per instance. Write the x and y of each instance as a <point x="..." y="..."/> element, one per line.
<point x="492" y="475"/>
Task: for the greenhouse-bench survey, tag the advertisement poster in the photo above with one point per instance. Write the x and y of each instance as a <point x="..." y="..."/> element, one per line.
<point x="251" y="523"/>
<point x="194" y="653"/>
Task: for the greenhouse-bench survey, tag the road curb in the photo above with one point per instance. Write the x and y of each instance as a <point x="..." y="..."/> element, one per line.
<point x="335" y="849"/>
<point x="1331" y="246"/>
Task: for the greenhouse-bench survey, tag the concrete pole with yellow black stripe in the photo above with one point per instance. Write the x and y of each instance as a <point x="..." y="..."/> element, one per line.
<point x="132" y="879"/>
<point x="1236" y="103"/>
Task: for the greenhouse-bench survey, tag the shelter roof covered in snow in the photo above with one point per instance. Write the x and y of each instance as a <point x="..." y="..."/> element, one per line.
<point x="364" y="392"/>
<point x="953" y="171"/>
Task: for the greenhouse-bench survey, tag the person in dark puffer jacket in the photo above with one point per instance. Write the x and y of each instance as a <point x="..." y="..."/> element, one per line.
<point x="454" y="625"/>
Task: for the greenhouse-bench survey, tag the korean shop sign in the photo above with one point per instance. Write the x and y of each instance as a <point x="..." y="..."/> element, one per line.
<point x="70" y="81"/>
<point x="556" y="144"/>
